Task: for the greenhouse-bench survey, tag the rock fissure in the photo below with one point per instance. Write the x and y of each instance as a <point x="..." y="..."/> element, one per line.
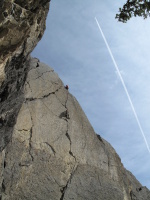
<point x="27" y="82"/>
<point x="70" y="152"/>
<point x="20" y="130"/>
<point x="30" y="145"/>
<point x="30" y="136"/>
<point x="44" y="96"/>
<point x="3" y="187"/>
<point x="67" y="111"/>
<point x="64" y="116"/>
<point x="37" y="65"/>
<point x="51" y="147"/>
<point x="99" y="180"/>
<point x="3" y="166"/>
<point x="64" y="189"/>
<point x="67" y="132"/>
<point x="40" y="76"/>
<point x="139" y="189"/>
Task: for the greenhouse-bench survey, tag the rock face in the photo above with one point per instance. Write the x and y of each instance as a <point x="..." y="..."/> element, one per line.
<point x="22" y="24"/>
<point x="48" y="149"/>
<point x="55" y="154"/>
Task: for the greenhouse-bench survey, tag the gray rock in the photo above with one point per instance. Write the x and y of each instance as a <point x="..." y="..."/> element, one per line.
<point x="48" y="149"/>
<point x="54" y="152"/>
<point x="22" y="24"/>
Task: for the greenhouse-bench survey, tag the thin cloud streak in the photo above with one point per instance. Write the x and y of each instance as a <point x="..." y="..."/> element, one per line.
<point x="124" y="86"/>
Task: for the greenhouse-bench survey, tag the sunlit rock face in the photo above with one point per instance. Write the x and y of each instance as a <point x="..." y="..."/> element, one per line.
<point x="54" y="152"/>
<point x="48" y="149"/>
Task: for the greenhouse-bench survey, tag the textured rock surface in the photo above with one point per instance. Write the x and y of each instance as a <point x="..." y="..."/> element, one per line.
<point x="54" y="152"/>
<point x="22" y="24"/>
<point x="48" y="149"/>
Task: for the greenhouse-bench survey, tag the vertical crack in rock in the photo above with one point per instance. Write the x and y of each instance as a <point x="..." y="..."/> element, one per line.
<point x="66" y="116"/>
<point x="70" y="152"/>
<point x="30" y="138"/>
<point x="67" y="133"/>
<point x="67" y="112"/>
<point x="3" y="186"/>
<point x="99" y="180"/>
<point x="108" y="163"/>
<point x="30" y="145"/>
<point x="63" y="190"/>
<point x="3" y="165"/>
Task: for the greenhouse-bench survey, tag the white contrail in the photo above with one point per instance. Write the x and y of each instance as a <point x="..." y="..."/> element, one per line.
<point x="124" y="86"/>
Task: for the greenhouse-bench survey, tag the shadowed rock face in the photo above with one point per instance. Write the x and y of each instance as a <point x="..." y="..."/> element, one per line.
<point x="22" y="24"/>
<point x="48" y="149"/>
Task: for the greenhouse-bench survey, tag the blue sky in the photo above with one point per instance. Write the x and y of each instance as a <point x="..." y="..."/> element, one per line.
<point x="73" y="46"/>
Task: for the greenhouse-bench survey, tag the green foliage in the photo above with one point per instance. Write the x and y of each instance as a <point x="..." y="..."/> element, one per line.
<point x="134" y="8"/>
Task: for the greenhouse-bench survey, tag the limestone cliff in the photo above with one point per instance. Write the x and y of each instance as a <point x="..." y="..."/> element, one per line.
<point x="22" y="24"/>
<point x="49" y="151"/>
